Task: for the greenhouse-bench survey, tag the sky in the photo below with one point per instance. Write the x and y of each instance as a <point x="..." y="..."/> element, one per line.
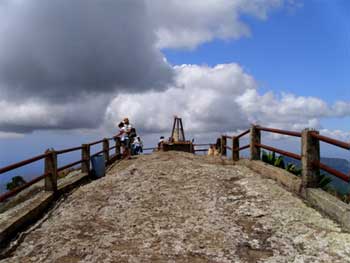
<point x="71" y="70"/>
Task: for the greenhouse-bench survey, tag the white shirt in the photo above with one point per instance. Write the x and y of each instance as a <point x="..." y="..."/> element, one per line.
<point x="137" y="142"/>
<point x="124" y="135"/>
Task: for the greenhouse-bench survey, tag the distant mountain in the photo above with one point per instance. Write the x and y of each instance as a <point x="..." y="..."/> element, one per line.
<point x="339" y="164"/>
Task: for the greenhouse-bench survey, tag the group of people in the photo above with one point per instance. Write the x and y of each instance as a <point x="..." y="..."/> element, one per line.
<point x="131" y="143"/>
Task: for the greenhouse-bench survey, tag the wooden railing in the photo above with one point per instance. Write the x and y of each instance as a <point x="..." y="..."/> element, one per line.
<point x="198" y="147"/>
<point x="235" y="146"/>
<point x="309" y="156"/>
<point x="51" y="169"/>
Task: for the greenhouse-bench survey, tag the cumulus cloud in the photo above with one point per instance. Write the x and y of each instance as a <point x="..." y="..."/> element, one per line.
<point x="61" y="61"/>
<point x="338" y="134"/>
<point x="218" y="99"/>
<point x="60" y="49"/>
<point x="187" y="24"/>
<point x="84" y="112"/>
<point x="202" y="96"/>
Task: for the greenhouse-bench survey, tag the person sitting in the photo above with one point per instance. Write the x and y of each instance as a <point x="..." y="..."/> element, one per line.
<point x="216" y="151"/>
<point x="211" y="150"/>
<point x="160" y="143"/>
<point x="137" y="146"/>
<point x="218" y="145"/>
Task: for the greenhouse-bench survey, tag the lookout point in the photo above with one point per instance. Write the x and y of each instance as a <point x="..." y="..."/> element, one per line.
<point x="176" y="206"/>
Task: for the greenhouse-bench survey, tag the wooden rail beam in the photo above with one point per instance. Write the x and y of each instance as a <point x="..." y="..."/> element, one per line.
<point x="235" y="148"/>
<point x="85" y="156"/>
<point x="310" y="148"/>
<point x="255" y="140"/>
<point x="51" y="170"/>
<point x="117" y="145"/>
<point x="105" y="146"/>
<point x="223" y="145"/>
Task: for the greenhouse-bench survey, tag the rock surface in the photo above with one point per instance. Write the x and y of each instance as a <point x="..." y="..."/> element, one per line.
<point x="177" y="207"/>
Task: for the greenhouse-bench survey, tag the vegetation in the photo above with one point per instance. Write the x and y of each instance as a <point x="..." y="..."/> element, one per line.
<point x="324" y="180"/>
<point x="16" y="181"/>
<point x="271" y="158"/>
<point x="292" y="168"/>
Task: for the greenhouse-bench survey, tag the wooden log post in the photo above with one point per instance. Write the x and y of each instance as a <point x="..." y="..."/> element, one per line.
<point x="51" y="170"/>
<point x="223" y="145"/>
<point x="106" y="149"/>
<point x="85" y="156"/>
<point x="235" y="148"/>
<point x="255" y="138"/>
<point x="310" y="154"/>
<point x="117" y="146"/>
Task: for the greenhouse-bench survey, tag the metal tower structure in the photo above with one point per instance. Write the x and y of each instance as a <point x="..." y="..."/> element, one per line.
<point x="178" y="134"/>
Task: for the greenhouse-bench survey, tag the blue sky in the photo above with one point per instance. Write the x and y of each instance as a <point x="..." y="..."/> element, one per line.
<point x="303" y="50"/>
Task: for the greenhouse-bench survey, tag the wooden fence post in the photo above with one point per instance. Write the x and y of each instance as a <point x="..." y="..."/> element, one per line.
<point x="310" y="155"/>
<point x="255" y="138"/>
<point x="51" y="169"/>
<point x="235" y="148"/>
<point x="85" y="156"/>
<point x="117" y="146"/>
<point x="106" y="149"/>
<point x="223" y="145"/>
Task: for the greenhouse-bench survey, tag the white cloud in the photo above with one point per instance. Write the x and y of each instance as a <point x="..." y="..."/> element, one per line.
<point x="203" y="97"/>
<point x="187" y="24"/>
<point x="337" y="134"/>
<point x="218" y="99"/>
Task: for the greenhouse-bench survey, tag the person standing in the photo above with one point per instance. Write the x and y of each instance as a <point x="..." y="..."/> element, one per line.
<point x="127" y="125"/>
<point x="124" y="139"/>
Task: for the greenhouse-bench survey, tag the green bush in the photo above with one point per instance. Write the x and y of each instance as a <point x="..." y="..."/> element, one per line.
<point x="15" y="182"/>
<point x="271" y="158"/>
<point x="292" y="168"/>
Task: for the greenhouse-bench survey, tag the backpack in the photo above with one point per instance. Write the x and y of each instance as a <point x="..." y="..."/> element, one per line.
<point x="132" y="133"/>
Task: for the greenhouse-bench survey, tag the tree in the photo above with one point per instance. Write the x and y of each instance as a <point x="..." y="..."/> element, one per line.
<point x="15" y="182"/>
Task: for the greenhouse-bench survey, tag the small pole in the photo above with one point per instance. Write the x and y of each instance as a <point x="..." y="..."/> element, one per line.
<point x="85" y="156"/>
<point x="310" y="154"/>
<point x="106" y="149"/>
<point x="223" y="145"/>
<point x="117" y="146"/>
<point x="255" y="138"/>
<point x="235" y="148"/>
<point x="51" y="169"/>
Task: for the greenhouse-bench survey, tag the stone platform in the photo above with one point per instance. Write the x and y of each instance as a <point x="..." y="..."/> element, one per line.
<point x="178" y="207"/>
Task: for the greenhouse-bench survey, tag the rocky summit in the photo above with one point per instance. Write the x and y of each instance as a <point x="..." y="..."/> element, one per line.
<point x="178" y="207"/>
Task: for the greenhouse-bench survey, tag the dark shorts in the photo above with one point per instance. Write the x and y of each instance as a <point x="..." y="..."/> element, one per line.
<point x="126" y="143"/>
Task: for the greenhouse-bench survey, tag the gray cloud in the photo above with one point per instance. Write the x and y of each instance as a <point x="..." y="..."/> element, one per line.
<point x="62" y="61"/>
<point x="84" y="112"/>
<point x="60" y="49"/>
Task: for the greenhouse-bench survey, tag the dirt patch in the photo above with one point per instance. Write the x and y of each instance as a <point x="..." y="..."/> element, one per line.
<point x="252" y="255"/>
